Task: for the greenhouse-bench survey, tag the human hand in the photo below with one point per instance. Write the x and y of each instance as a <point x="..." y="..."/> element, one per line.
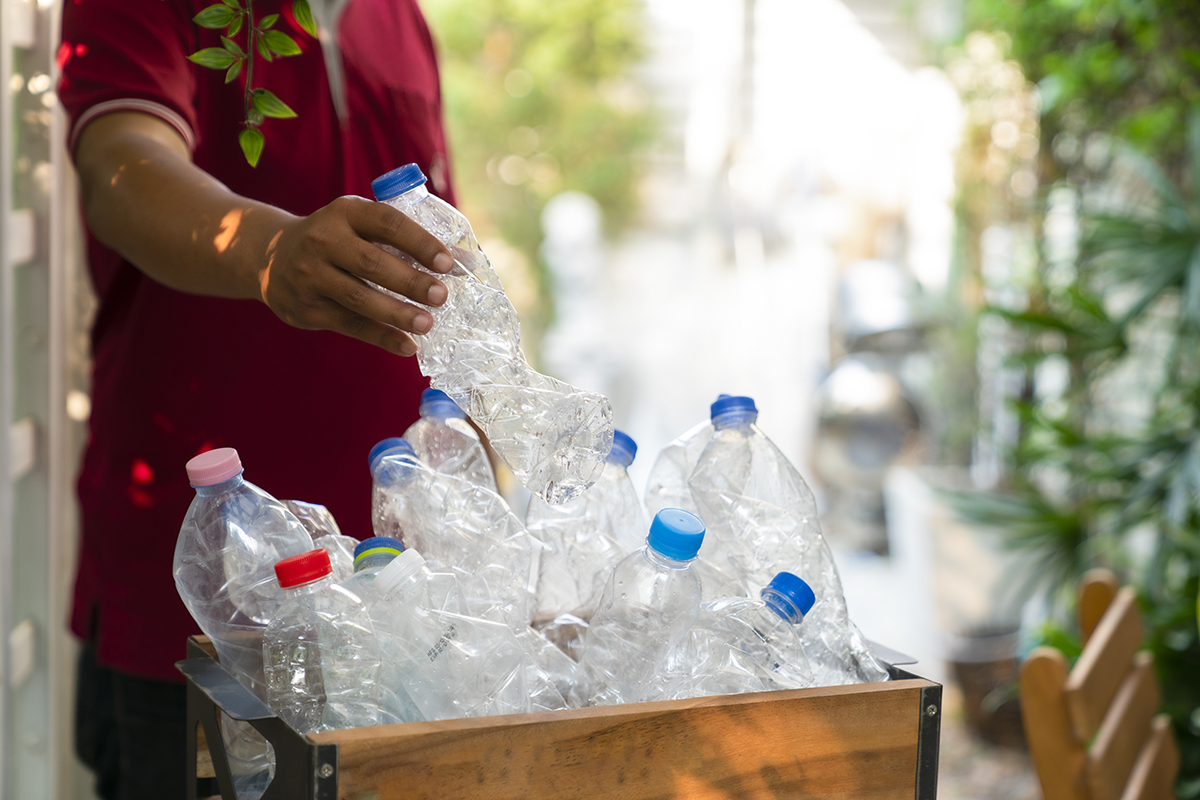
<point x="318" y="268"/>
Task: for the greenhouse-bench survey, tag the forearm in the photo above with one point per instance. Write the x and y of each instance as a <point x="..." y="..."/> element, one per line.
<point x="145" y="199"/>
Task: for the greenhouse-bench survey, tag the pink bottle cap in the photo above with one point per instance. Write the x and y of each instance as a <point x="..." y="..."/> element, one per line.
<point x="213" y="467"/>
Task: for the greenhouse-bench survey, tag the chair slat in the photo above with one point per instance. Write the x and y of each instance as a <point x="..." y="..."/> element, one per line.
<point x="1097" y="589"/>
<point x="1104" y="663"/>
<point x="1153" y="776"/>
<point x="1058" y="757"/>
<point x="1125" y="730"/>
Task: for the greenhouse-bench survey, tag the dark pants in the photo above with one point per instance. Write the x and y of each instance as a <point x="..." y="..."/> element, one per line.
<point x="131" y="732"/>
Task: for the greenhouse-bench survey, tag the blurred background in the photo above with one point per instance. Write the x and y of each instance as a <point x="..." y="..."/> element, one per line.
<point x="950" y="247"/>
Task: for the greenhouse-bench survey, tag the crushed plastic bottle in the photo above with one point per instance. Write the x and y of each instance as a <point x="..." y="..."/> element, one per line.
<point x="443" y="439"/>
<point x="326" y="534"/>
<point x="762" y="516"/>
<point x="585" y="537"/>
<point x="459" y="527"/>
<point x="231" y="537"/>
<point x="742" y="645"/>
<point x="448" y="663"/>
<point x="553" y="436"/>
<point x="650" y="600"/>
<point x="320" y="652"/>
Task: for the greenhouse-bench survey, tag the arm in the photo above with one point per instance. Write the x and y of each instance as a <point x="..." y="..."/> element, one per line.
<point x="144" y="198"/>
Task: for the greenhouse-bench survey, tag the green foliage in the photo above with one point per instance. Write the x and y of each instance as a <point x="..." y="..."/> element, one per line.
<point x="540" y="98"/>
<point x="1128" y="68"/>
<point x="231" y="57"/>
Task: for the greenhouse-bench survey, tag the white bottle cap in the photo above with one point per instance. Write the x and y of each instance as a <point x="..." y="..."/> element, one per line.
<point x="398" y="570"/>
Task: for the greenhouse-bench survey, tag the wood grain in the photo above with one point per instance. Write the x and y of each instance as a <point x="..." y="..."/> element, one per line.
<point x="1058" y="756"/>
<point x="847" y="742"/>
<point x="1104" y="663"/>
<point x="1125" y="730"/>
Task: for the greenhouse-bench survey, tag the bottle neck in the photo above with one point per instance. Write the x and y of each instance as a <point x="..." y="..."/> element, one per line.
<point x="308" y="588"/>
<point x="735" y="419"/>
<point x="781" y="606"/>
<point x="665" y="561"/>
<point x="414" y="196"/>
<point x="223" y="487"/>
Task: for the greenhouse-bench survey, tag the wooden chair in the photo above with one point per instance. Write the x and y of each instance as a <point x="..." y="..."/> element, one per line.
<point x="1093" y="731"/>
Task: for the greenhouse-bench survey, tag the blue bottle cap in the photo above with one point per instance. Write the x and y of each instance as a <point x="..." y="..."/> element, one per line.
<point x="624" y="449"/>
<point x="393" y="444"/>
<point x="397" y="182"/>
<point x="676" y="534"/>
<point x="436" y="403"/>
<point x="788" y="595"/>
<point x="732" y="410"/>
<point x="378" y="543"/>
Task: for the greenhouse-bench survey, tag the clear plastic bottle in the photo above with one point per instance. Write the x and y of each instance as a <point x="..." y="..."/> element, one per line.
<point x="742" y="645"/>
<point x="553" y="436"/>
<point x="448" y="663"/>
<point x="320" y="653"/>
<point x="444" y="440"/>
<point x="650" y="600"/>
<point x="231" y="537"/>
<point x="584" y="538"/>
<point x="459" y="527"/>
<point x="326" y="535"/>
<point x="761" y="515"/>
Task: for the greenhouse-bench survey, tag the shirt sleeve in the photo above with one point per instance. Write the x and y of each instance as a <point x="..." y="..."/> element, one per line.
<point x="128" y="55"/>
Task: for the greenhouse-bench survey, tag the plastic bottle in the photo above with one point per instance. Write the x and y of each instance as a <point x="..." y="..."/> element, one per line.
<point x="320" y="652"/>
<point x="650" y="600"/>
<point x="326" y="534"/>
<point x="742" y="645"/>
<point x="584" y="538"/>
<point x="231" y="537"/>
<point x="761" y="515"/>
<point x="553" y="436"/>
<point x="444" y="440"/>
<point x="448" y="663"/>
<point x="459" y="527"/>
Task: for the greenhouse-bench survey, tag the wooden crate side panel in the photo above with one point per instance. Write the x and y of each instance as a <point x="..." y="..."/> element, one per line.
<point x="857" y="743"/>
<point x="1105" y="661"/>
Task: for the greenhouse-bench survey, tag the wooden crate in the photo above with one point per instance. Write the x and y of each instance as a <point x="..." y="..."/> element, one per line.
<point x="877" y="740"/>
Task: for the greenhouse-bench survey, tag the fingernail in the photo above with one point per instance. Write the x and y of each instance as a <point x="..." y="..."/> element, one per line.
<point x="437" y="294"/>
<point x="442" y="263"/>
<point x="422" y="323"/>
<point x="408" y="348"/>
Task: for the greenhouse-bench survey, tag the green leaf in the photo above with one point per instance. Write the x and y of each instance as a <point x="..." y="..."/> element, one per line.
<point x="234" y="71"/>
<point x="281" y="44"/>
<point x="232" y="46"/>
<point x="236" y="25"/>
<point x="213" y="58"/>
<point x="263" y="50"/>
<point x="270" y="105"/>
<point x="217" y="16"/>
<point x="232" y="4"/>
<point x="266" y="22"/>
<point x="303" y="15"/>
<point x="252" y="145"/>
<point x="254" y="116"/>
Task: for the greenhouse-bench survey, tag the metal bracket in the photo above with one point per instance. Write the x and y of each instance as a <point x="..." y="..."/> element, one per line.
<point x="303" y="770"/>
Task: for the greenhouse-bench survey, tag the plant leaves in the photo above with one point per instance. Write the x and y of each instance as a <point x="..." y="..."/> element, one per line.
<point x="281" y="44"/>
<point x="303" y="14"/>
<point x="270" y="105"/>
<point x="254" y="116"/>
<point x="232" y="46"/>
<point x="252" y="142"/>
<point x="213" y="58"/>
<point x="234" y="71"/>
<point x="217" y="16"/>
<point x="236" y="25"/>
<point x="263" y="50"/>
<point x="232" y="4"/>
<point x="266" y="22"/>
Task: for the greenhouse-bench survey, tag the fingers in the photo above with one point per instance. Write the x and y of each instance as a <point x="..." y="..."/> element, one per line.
<point x="372" y="263"/>
<point x="352" y="298"/>
<point x="379" y="222"/>
<point x="357" y="315"/>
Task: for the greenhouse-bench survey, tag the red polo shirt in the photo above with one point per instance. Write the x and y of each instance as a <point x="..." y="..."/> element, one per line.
<point x="175" y="374"/>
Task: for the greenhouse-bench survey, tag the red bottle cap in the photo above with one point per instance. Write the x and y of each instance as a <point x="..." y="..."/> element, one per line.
<point x="304" y="568"/>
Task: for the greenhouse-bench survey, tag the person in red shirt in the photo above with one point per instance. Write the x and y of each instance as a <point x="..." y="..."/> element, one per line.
<point x="233" y="310"/>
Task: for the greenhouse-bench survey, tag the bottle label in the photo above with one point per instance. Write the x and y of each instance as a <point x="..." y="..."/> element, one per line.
<point x="442" y="643"/>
